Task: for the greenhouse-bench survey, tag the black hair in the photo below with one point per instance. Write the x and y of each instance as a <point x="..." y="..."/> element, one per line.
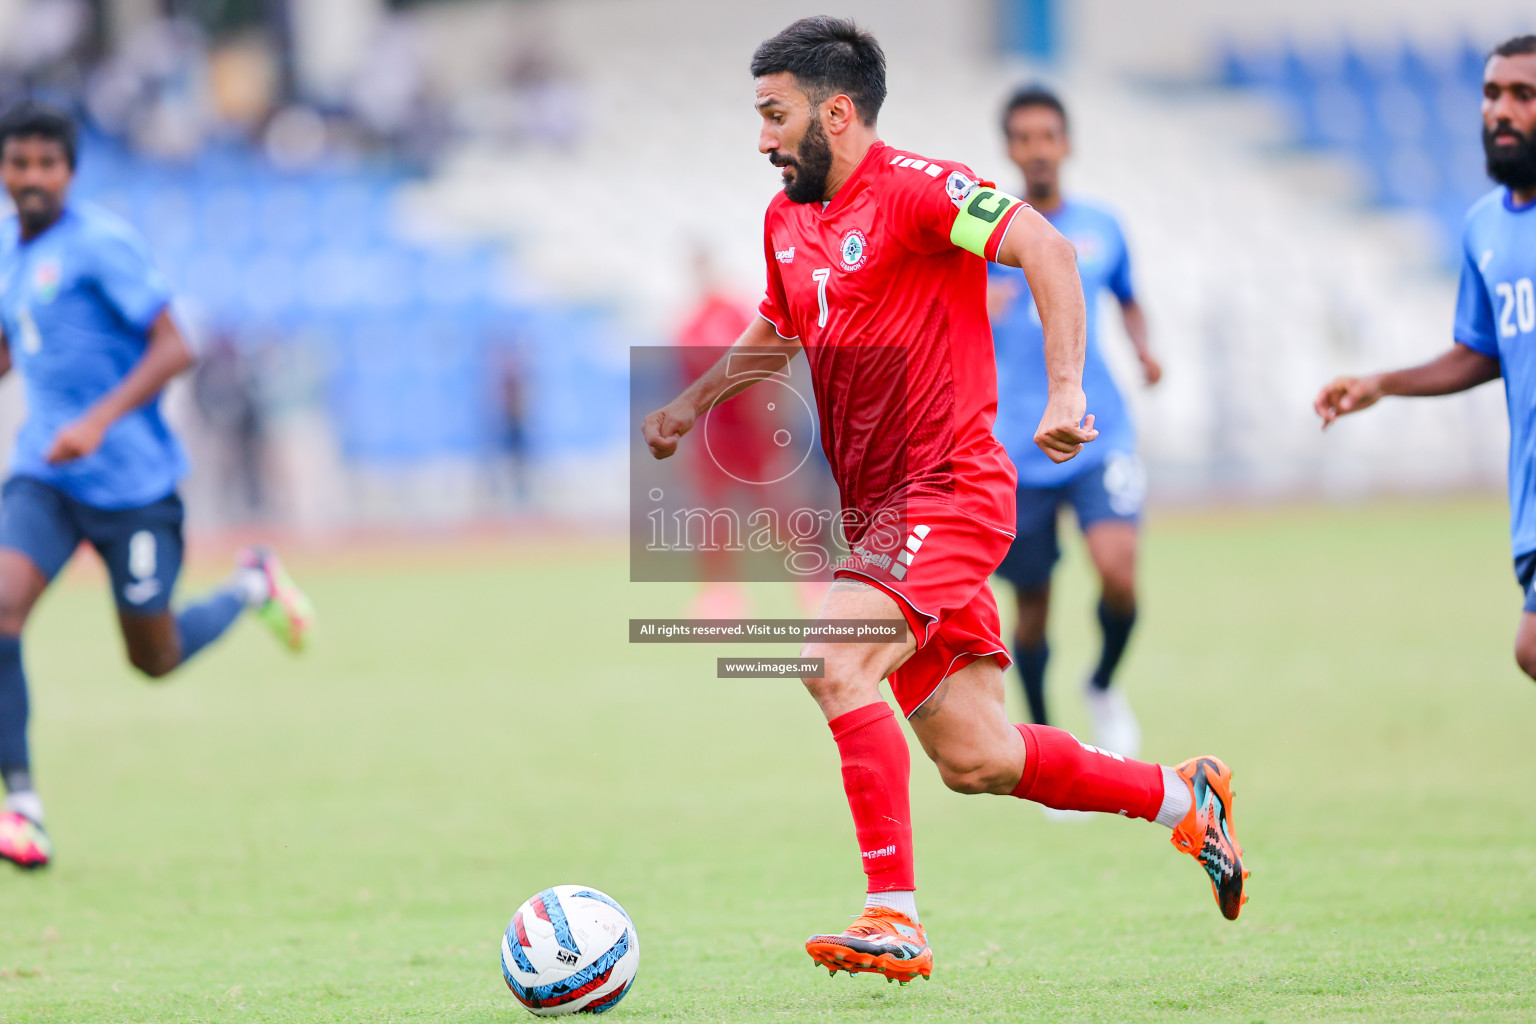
<point x="33" y="121"/>
<point x="828" y="56"/>
<point x="1516" y="46"/>
<point x="1034" y="95"/>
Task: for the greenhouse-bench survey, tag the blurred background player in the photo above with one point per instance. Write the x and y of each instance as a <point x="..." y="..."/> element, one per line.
<point x="1105" y="485"/>
<point x="712" y="324"/>
<point x="748" y="467"/>
<point x="1495" y="331"/>
<point x="86" y="319"/>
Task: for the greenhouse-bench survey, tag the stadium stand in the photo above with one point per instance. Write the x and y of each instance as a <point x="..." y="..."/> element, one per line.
<point x="406" y="332"/>
<point x="392" y="295"/>
<point x="1262" y="275"/>
<point x="1406" y="114"/>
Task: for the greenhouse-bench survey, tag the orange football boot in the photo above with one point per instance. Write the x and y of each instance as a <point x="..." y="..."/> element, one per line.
<point x="881" y="941"/>
<point x="1209" y="834"/>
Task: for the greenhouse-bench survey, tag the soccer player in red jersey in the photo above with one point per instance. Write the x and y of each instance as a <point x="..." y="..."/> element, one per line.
<point x="876" y="267"/>
<point x="714" y="322"/>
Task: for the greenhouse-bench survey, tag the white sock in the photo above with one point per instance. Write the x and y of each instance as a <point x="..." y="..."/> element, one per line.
<point x="251" y="584"/>
<point x="1177" y="799"/>
<point x="27" y="804"/>
<point x="904" y="900"/>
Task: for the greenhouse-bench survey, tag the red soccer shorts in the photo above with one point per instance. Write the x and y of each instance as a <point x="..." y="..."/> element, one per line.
<point x="935" y="565"/>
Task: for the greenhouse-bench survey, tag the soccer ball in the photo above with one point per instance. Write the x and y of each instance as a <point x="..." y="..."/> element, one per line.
<point x="570" y="949"/>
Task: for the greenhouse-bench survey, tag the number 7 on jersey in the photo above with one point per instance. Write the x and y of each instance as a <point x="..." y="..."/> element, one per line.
<point x="821" y="277"/>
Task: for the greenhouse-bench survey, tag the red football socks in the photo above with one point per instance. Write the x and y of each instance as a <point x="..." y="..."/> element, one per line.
<point x="1060" y="772"/>
<point x="876" y="770"/>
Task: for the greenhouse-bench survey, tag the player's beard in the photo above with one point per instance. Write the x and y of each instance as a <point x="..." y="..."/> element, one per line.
<point x="812" y="166"/>
<point x="1511" y="166"/>
<point x="37" y="209"/>
<point x="1040" y="188"/>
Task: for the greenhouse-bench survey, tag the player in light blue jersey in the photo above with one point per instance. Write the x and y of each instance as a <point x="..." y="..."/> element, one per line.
<point x="1105" y="484"/>
<point x="84" y="318"/>
<point x="1495" y="332"/>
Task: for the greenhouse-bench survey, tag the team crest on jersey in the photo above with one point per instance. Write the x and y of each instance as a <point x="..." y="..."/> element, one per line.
<point x="854" y="250"/>
<point x="959" y="187"/>
<point x="45" y="280"/>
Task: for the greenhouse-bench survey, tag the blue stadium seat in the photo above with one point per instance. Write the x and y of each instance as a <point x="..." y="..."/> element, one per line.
<point x="1408" y="115"/>
<point x="405" y="331"/>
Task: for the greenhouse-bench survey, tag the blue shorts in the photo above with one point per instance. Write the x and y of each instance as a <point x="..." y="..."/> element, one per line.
<point x="1110" y="492"/>
<point x="142" y="547"/>
<point x="1525" y="572"/>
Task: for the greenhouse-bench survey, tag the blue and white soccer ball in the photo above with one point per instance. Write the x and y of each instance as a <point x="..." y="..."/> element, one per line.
<point x="570" y="949"/>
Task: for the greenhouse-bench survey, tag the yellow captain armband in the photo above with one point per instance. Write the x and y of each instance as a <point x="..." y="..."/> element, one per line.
<point x="982" y="208"/>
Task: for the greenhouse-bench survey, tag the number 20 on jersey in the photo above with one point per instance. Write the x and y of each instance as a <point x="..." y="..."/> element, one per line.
<point x="1517" y="307"/>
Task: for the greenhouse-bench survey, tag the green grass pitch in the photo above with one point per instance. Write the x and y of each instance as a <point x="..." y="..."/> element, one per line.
<point x="343" y="837"/>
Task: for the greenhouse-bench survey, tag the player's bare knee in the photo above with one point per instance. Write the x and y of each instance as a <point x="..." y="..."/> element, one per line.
<point x="1029" y="628"/>
<point x="12" y="618"/>
<point x="154" y="663"/>
<point x="834" y="670"/>
<point x="14" y="609"/>
<point x="1525" y="655"/>
<point x="970" y="772"/>
<point x="1029" y="634"/>
<point x="970" y="781"/>
<point x="1118" y="586"/>
<point x="845" y="682"/>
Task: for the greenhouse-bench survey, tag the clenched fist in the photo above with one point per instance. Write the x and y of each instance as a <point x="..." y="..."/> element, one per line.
<point x="666" y="426"/>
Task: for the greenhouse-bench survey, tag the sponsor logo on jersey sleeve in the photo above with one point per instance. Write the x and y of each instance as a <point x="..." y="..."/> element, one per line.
<point x="785" y="255"/>
<point x="854" y="250"/>
<point x="959" y="187"/>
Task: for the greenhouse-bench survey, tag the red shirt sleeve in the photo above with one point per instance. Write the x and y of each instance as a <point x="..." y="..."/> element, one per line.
<point x="925" y="197"/>
<point x="775" y="306"/>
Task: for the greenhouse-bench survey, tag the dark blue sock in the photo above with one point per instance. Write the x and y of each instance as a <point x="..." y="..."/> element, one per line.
<point x="1116" y="626"/>
<point x="14" y="759"/>
<point x="1031" y="662"/>
<point x="202" y="623"/>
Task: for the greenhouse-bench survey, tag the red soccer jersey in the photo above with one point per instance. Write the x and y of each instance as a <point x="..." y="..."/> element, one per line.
<point x="893" y="318"/>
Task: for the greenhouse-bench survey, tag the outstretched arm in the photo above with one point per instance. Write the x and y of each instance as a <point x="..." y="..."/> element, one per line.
<point x="757" y="354"/>
<point x="1457" y="370"/>
<point x="164" y="357"/>
<point x="1050" y="265"/>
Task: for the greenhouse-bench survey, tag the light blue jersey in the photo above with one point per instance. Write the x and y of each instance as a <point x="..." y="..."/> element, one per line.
<point x="1103" y="262"/>
<point x="76" y="304"/>
<point x="1496" y="315"/>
